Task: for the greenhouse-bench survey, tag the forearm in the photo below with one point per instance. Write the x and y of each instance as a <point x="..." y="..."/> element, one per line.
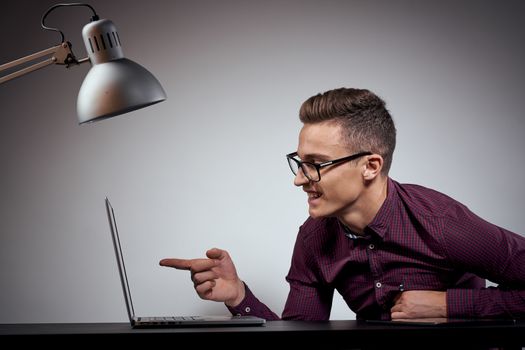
<point x="495" y="254"/>
<point x="306" y="302"/>
<point x="487" y="302"/>
<point x="250" y="305"/>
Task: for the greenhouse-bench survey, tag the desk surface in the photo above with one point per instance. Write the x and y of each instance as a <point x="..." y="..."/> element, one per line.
<point x="333" y="334"/>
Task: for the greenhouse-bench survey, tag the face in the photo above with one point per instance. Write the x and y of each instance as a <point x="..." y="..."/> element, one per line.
<point x="341" y="184"/>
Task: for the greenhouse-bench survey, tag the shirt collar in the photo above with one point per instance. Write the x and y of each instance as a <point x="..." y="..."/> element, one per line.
<point x="349" y="233"/>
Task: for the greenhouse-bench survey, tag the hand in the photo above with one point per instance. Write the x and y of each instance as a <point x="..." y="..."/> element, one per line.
<point x="214" y="278"/>
<point x="419" y="304"/>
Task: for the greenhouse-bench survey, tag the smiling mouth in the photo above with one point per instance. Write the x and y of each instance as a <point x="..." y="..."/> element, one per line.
<point x="313" y="195"/>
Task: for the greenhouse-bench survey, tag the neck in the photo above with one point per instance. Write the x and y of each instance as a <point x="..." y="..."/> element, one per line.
<point x="365" y="208"/>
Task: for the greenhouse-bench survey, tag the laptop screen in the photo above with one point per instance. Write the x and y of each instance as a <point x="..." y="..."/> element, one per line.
<point x="120" y="260"/>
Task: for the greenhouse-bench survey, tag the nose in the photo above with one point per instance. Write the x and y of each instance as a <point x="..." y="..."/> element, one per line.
<point x="300" y="179"/>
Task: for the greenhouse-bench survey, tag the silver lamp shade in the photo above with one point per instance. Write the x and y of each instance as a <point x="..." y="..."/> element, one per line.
<point x="114" y="85"/>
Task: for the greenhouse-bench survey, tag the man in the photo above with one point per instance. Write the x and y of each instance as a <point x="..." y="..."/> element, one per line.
<point x="391" y="250"/>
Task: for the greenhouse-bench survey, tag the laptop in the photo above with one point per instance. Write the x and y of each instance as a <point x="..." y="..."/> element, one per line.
<point x="166" y="321"/>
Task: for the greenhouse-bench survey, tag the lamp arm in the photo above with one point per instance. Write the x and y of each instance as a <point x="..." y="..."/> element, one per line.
<point x="60" y="54"/>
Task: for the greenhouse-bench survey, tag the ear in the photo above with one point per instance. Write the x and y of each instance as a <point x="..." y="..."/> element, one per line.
<point x="372" y="167"/>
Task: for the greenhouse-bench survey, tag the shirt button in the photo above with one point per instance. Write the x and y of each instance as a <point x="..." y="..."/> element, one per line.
<point x="247" y="309"/>
<point x="378" y="284"/>
<point x="371" y="246"/>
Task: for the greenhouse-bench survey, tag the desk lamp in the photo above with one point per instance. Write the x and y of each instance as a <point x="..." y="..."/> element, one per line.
<point x="114" y="85"/>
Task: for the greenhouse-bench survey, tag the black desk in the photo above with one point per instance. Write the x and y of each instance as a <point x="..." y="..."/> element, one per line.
<point x="275" y="334"/>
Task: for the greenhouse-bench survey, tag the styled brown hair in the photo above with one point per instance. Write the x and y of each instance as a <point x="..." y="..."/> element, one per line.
<point x="366" y="122"/>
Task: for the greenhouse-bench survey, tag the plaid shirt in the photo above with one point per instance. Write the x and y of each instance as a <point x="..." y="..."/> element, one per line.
<point x="419" y="240"/>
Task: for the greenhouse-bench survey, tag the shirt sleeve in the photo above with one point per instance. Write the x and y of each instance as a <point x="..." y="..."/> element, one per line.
<point x="309" y="298"/>
<point x="308" y="303"/>
<point x="250" y="305"/>
<point x="490" y="252"/>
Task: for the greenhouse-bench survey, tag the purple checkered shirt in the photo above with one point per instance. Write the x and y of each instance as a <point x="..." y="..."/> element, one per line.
<point x="419" y="240"/>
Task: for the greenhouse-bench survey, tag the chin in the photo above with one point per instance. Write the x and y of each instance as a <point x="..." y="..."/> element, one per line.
<point x="324" y="211"/>
<point x="317" y="214"/>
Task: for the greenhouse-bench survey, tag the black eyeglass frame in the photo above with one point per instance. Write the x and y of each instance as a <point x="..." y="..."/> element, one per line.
<point x="318" y="166"/>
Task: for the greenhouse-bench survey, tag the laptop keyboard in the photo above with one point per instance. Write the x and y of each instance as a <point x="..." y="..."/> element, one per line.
<point x="167" y="318"/>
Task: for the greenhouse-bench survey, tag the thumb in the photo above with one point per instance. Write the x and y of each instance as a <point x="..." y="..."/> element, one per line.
<point x="216" y="253"/>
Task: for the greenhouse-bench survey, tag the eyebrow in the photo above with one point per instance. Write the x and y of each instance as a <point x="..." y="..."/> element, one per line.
<point x="316" y="156"/>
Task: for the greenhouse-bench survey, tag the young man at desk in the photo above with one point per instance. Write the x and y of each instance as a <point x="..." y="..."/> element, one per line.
<point x="391" y="250"/>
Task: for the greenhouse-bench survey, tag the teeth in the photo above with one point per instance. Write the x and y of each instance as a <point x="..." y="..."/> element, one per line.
<point x="313" y="195"/>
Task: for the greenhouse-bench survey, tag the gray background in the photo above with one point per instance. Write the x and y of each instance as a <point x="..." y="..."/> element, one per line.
<point x="206" y="167"/>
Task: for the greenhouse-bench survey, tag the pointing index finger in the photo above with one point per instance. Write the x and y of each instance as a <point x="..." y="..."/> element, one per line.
<point x="180" y="264"/>
<point x="196" y="265"/>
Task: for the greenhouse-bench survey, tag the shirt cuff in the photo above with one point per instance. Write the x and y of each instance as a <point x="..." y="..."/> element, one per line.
<point x="244" y="308"/>
<point x="460" y="303"/>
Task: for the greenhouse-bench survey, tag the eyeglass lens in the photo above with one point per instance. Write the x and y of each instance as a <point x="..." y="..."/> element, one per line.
<point x="308" y="169"/>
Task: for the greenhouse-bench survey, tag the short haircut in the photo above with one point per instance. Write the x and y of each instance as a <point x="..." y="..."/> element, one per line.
<point x="366" y="123"/>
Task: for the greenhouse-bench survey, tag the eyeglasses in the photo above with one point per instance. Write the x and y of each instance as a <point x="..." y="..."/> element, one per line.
<point x="312" y="170"/>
